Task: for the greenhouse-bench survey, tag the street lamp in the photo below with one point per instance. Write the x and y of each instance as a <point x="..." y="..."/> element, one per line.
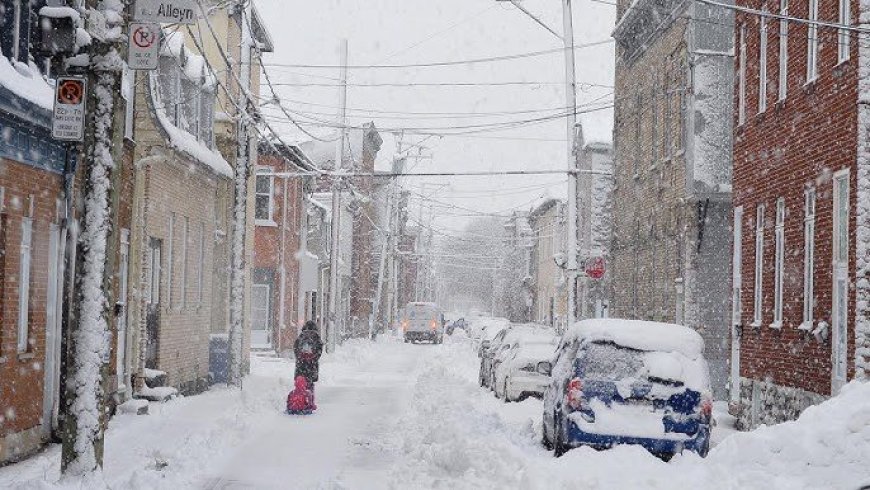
<point x="567" y="38"/>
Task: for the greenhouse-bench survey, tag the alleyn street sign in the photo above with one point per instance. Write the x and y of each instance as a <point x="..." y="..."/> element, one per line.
<point x="68" y="120"/>
<point x="166" y="12"/>
<point x="143" y="52"/>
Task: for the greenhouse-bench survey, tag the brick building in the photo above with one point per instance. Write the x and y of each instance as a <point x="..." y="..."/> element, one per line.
<point x="796" y="210"/>
<point x="279" y="226"/>
<point x="183" y="197"/>
<point x="39" y="196"/>
<point x="672" y="169"/>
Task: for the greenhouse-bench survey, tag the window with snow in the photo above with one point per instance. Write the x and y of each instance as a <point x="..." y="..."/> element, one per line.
<point x="759" y="264"/>
<point x="170" y="269"/>
<point x="263" y="205"/>
<point x="762" y="62"/>
<point x="812" y="41"/>
<point x="809" y="256"/>
<point x="779" y="264"/>
<point x="185" y="235"/>
<point x="843" y="35"/>
<point x="783" y="50"/>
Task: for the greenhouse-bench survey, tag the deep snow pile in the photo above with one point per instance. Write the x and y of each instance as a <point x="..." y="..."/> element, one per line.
<point x="457" y="436"/>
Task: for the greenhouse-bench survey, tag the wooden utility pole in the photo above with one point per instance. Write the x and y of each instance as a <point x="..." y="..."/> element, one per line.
<point x="87" y="338"/>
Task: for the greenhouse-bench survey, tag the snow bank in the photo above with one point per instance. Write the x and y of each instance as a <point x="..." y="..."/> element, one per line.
<point x="26" y="83"/>
<point x="640" y="335"/>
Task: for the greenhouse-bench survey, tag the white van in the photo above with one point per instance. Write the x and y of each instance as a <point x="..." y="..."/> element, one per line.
<point x="423" y="321"/>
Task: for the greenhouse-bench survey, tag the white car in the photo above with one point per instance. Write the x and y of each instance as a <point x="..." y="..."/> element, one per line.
<point x="501" y="345"/>
<point x="522" y="372"/>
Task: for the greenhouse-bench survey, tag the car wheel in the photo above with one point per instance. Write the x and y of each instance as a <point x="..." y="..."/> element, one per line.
<point x="559" y="446"/>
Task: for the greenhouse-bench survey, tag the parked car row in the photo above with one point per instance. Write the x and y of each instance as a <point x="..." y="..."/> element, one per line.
<point x="606" y="382"/>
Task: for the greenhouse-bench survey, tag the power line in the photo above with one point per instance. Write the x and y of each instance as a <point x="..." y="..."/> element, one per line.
<point x="582" y="85"/>
<point x="448" y="63"/>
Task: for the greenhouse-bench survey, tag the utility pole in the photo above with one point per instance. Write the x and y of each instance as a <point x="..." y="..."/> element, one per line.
<point x="571" y="122"/>
<point x="87" y="345"/>
<point x="240" y="210"/>
<point x="336" y="205"/>
<point x="567" y="39"/>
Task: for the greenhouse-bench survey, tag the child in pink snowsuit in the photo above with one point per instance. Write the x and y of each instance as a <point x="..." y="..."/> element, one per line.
<point x="301" y="399"/>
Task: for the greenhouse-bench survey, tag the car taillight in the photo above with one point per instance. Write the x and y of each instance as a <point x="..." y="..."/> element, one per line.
<point x="574" y="395"/>
<point x="433" y="325"/>
<point x="707" y="407"/>
<point x="405" y="325"/>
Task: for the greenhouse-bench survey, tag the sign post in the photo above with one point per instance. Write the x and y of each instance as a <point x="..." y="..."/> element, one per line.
<point x="143" y="51"/>
<point x="165" y="11"/>
<point x="68" y="121"/>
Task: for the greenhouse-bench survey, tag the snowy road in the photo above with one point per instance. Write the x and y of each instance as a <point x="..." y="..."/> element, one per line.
<point x="393" y="415"/>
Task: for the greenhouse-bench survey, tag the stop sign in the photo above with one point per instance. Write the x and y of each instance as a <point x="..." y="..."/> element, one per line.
<point x="596" y="267"/>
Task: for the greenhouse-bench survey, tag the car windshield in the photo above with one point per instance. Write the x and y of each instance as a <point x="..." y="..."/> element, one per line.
<point x="609" y="362"/>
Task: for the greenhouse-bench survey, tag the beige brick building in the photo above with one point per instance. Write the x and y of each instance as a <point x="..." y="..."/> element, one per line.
<point x="672" y="169"/>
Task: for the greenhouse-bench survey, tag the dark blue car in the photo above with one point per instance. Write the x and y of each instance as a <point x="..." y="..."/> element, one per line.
<point x="629" y="382"/>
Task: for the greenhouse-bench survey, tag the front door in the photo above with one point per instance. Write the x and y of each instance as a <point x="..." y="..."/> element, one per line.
<point x="152" y="304"/>
<point x="121" y="311"/>
<point x="260" y="314"/>
<point x="736" y="307"/>
<point x="840" y="296"/>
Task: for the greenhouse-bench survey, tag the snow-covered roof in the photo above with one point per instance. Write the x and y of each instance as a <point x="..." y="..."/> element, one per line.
<point x="27" y="83"/>
<point x="640" y="335"/>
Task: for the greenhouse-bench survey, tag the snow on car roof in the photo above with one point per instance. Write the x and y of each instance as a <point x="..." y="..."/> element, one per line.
<point x="640" y="335"/>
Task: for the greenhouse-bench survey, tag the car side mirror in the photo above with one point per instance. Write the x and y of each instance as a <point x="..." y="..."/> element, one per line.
<point x="544" y="368"/>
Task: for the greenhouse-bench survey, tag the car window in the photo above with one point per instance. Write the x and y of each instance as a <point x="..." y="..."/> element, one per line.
<point x="609" y="362"/>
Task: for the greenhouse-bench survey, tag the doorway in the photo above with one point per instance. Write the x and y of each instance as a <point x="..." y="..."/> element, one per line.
<point x="152" y="304"/>
<point x="260" y="314"/>
<point x="840" y="296"/>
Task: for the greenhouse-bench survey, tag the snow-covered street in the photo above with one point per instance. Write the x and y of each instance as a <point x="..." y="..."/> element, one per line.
<point x="395" y="415"/>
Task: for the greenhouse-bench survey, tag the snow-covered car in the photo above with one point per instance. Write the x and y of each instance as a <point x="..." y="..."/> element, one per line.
<point x="500" y="346"/>
<point x="629" y="382"/>
<point x="485" y="328"/>
<point x="522" y="373"/>
<point x="423" y="321"/>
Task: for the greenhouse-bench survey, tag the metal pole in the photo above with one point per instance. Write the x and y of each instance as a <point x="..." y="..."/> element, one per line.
<point x="336" y="205"/>
<point x="571" y="121"/>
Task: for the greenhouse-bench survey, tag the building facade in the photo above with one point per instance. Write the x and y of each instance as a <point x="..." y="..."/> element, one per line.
<point x="549" y="281"/>
<point x="278" y="220"/>
<point x="672" y="169"/>
<point x="797" y="167"/>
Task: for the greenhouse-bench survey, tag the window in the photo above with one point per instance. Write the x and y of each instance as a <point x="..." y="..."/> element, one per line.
<point x="809" y="256"/>
<point x="741" y="96"/>
<point x="779" y="265"/>
<point x="759" y="264"/>
<point x="813" y="41"/>
<point x="200" y="277"/>
<point x="843" y="37"/>
<point x="783" y="50"/>
<point x="737" y="267"/>
<point x="263" y="204"/>
<point x="185" y="234"/>
<point x="762" y="63"/>
<point x="169" y="259"/>
<point x="24" y="285"/>
<point x="841" y="218"/>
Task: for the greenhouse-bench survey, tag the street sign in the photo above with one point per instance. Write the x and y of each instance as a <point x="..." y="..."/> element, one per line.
<point x="165" y="11"/>
<point x="596" y="267"/>
<point x="143" y="49"/>
<point x="68" y="122"/>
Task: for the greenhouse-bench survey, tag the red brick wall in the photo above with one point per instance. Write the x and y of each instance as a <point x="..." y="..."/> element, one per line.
<point x="21" y="376"/>
<point x="268" y="249"/>
<point x="793" y="144"/>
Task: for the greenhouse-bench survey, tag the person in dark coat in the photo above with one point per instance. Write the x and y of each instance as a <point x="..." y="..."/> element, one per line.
<point x="308" y="348"/>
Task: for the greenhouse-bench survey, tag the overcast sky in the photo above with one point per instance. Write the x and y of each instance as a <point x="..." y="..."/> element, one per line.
<point x="423" y="31"/>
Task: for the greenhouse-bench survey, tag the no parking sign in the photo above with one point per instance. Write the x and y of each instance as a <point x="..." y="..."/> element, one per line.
<point x="143" y="48"/>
